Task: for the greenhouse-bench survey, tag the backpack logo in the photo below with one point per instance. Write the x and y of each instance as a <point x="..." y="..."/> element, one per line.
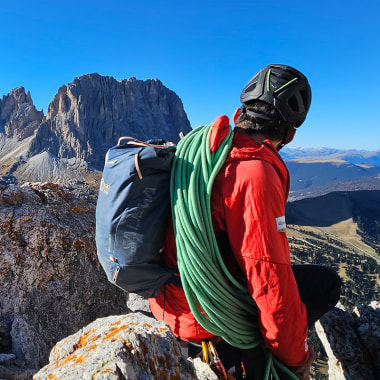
<point x="104" y="187"/>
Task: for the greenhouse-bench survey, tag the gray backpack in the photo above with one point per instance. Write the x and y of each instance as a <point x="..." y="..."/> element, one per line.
<point x="132" y="213"/>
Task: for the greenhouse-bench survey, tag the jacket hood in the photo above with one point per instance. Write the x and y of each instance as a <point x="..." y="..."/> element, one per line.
<point x="245" y="148"/>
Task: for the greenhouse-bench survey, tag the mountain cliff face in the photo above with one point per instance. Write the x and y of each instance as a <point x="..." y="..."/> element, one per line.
<point x="90" y="114"/>
<point x="83" y="121"/>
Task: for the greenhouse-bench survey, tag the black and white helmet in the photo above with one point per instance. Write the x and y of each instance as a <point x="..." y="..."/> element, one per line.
<point x="285" y="88"/>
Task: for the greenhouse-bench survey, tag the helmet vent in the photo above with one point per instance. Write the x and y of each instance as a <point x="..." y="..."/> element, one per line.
<point x="251" y="87"/>
<point x="293" y="104"/>
<point x="305" y="98"/>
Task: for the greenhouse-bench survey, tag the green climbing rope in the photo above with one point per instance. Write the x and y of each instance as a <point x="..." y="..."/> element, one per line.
<point x="219" y="303"/>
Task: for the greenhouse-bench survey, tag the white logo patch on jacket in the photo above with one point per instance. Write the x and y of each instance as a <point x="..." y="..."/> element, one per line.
<point x="281" y="223"/>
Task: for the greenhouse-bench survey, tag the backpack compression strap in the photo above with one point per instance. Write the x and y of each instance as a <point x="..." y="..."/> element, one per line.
<point x="219" y="303"/>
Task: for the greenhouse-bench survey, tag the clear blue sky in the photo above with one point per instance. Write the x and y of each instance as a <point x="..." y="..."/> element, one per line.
<point x="206" y="51"/>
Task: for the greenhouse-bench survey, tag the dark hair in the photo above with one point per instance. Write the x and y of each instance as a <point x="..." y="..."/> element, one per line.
<point x="261" y="117"/>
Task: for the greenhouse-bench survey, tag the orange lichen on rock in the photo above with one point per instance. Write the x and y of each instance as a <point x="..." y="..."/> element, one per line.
<point x="78" y="210"/>
<point x="84" y="339"/>
<point x="92" y="347"/>
<point x="114" y="331"/>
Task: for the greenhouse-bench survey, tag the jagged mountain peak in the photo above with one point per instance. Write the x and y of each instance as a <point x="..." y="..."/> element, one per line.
<point x="91" y="113"/>
<point x="18" y="96"/>
<point x="18" y="116"/>
<point x="85" y="118"/>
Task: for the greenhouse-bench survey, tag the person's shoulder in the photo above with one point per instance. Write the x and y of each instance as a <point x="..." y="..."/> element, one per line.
<point x="252" y="172"/>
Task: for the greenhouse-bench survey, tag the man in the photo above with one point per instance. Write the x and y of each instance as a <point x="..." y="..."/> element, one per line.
<point x="248" y="214"/>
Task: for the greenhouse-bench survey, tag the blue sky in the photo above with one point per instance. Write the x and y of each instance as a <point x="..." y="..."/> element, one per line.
<point x="206" y="51"/>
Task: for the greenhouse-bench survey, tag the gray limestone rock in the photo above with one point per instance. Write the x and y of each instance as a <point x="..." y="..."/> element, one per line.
<point x="350" y="357"/>
<point x="51" y="283"/>
<point x="132" y="346"/>
<point x="367" y="321"/>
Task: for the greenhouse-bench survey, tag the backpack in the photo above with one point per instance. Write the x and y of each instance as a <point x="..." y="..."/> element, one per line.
<point x="132" y="212"/>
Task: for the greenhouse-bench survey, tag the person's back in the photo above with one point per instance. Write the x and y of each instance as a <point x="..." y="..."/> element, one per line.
<point x="248" y="213"/>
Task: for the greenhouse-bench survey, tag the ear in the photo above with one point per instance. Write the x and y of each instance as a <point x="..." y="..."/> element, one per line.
<point x="236" y="115"/>
<point x="289" y="136"/>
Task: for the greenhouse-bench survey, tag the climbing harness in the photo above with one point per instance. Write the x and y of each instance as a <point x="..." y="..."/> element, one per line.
<point x="210" y="356"/>
<point x="220" y="304"/>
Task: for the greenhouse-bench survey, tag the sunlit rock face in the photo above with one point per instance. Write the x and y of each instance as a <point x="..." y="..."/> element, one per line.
<point x="352" y="342"/>
<point x="84" y="119"/>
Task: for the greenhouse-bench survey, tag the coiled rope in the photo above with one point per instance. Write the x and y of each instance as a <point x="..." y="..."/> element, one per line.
<point x="219" y="303"/>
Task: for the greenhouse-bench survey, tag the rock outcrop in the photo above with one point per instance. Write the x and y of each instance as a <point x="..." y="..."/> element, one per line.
<point x="51" y="283"/>
<point x="352" y="342"/>
<point x="131" y="346"/>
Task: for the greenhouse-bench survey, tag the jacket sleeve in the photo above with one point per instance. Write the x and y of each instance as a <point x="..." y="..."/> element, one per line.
<point x="254" y="209"/>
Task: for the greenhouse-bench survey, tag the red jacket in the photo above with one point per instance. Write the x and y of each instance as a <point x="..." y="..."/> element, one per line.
<point x="248" y="205"/>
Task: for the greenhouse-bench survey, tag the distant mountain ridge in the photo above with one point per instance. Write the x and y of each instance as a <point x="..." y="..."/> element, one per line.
<point x="351" y="155"/>
<point x="318" y="171"/>
<point x="333" y="208"/>
<point x="84" y="119"/>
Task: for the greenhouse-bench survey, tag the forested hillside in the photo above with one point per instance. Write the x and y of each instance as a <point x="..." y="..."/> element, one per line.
<point x="353" y="250"/>
<point x="359" y="269"/>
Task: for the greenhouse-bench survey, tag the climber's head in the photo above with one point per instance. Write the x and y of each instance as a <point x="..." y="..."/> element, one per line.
<point x="274" y="102"/>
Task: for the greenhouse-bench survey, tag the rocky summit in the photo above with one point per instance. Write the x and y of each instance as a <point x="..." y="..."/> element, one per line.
<point x="60" y="318"/>
<point x="131" y="346"/>
<point x="54" y="290"/>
